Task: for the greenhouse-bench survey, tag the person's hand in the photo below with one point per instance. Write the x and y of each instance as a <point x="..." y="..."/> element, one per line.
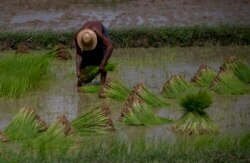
<point x="78" y="73"/>
<point x="101" y="68"/>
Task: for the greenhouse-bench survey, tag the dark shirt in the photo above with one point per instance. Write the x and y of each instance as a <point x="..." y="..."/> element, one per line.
<point x="93" y="57"/>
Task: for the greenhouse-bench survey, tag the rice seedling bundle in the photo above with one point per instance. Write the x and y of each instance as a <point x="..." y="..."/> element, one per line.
<point x="20" y="74"/>
<point x="176" y="86"/>
<point x="53" y="142"/>
<point x="195" y="120"/>
<point x="116" y="90"/>
<point x="227" y="83"/>
<point x="60" y="51"/>
<point x="3" y="137"/>
<point x="90" y="72"/>
<point x="25" y="125"/>
<point x="239" y="68"/>
<point x="204" y="76"/>
<point x="89" y="88"/>
<point x="138" y="113"/>
<point x="148" y="97"/>
<point x="96" y="121"/>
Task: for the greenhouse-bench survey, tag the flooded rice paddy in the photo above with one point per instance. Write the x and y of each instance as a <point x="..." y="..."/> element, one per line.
<point x="153" y="67"/>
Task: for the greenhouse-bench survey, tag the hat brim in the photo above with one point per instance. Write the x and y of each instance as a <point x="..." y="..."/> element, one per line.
<point x="85" y="47"/>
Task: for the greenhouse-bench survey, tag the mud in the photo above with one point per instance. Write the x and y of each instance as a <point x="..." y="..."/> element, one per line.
<point x="70" y="15"/>
<point x="153" y="67"/>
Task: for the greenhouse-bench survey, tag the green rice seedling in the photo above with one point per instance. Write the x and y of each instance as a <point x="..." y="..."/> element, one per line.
<point x="227" y="83"/>
<point x="195" y="120"/>
<point x="138" y="113"/>
<point x="25" y="125"/>
<point x="176" y="87"/>
<point x="89" y="89"/>
<point x="21" y="74"/>
<point x="239" y="68"/>
<point x="54" y="142"/>
<point x="150" y="98"/>
<point x="115" y="89"/>
<point x="204" y="76"/>
<point x="96" y="121"/>
<point x="90" y="72"/>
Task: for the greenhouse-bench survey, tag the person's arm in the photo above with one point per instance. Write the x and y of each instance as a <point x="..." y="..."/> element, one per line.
<point x="109" y="46"/>
<point x="78" y="59"/>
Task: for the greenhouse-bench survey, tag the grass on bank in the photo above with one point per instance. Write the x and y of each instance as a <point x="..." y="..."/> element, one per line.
<point x="138" y="37"/>
<point x="21" y="74"/>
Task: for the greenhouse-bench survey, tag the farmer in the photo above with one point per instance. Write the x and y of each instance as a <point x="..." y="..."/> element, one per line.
<point x="93" y="48"/>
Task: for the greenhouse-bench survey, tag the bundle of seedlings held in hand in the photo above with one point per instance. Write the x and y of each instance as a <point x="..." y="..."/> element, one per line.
<point x="195" y="120"/>
<point x="138" y="113"/>
<point x="25" y="125"/>
<point x="90" y="72"/>
<point x="115" y="89"/>
<point x="204" y="76"/>
<point x="176" y="87"/>
<point x="96" y="121"/>
<point x="60" y="51"/>
<point x="56" y="140"/>
<point x="148" y="97"/>
<point x="239" y="68"/>
<point x="227" y="83"/>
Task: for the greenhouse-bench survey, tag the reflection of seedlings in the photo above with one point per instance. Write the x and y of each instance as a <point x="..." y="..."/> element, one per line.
<point x="195" y="120"/>
<point x="60" y="51"/>
<point x="137" y="113"/>
<point x="96" y="121"/>
<point x="239" y="68"/>
<point x="150" y="98"/>
<point x="25" y="125"/>
<point x="176" y="86"/>
<point x="204" y="76"/>
<point x="227" y="83"/>
<point x="116" y="90"/>
<point x="90" y="72"/>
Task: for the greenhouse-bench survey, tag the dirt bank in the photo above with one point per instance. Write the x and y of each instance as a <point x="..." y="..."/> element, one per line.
<point x="69" y="15"/>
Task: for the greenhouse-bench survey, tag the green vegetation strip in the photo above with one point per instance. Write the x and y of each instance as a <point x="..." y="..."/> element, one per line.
<point x="21" y="74"/>
<point x="138" y="37"/>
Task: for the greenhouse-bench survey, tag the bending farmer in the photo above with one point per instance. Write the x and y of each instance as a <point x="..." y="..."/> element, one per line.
<point x="93" y="48"/>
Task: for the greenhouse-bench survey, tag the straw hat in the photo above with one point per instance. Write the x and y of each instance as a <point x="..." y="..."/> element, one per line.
<point x="87" y="39"/>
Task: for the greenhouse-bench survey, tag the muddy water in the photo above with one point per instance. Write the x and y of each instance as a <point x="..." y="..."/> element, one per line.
<point x="71" y="14"/>
<point x="153" y="67"/>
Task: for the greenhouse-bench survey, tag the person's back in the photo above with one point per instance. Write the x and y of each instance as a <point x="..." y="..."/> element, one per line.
<point x="93" y="48"/>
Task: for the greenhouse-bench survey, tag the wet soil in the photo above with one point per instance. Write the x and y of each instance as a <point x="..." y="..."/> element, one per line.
<point x="71" y="14"/>
<point x="153" y="67"/>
